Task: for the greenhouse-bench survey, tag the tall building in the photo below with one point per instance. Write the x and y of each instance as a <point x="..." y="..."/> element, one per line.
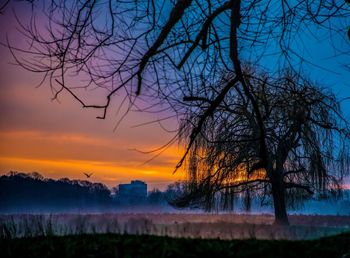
<point x="133" y="193"/>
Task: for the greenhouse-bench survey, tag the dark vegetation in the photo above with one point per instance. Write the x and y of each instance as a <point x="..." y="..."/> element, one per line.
<point x="32" y="192"/>
<point x="109" y="245"/>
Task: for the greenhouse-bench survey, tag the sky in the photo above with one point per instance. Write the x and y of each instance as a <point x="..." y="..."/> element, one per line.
<point x="63" y="140"/>
<point x="60" y="139"/>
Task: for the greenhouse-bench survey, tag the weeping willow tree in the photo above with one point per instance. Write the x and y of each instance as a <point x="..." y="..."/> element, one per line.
<point x="306" y="143"/>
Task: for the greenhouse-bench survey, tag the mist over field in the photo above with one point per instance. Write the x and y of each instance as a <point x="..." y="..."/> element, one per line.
<point x="32" y="193"/>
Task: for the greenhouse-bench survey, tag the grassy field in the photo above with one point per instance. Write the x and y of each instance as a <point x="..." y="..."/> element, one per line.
<point x="212" y="226"/>
<point x="112" y="245"/>
<point x="172" y="235"/>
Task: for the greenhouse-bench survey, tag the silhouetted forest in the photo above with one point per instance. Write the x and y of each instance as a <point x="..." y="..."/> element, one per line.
<point x="21" y="192"/>
<point x="33" y="193"/>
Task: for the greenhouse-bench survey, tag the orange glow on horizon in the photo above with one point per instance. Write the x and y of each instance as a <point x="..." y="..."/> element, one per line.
<point x="240" y="175"/>
<point x="58" y="155"/>
<point x="108" y="173"/>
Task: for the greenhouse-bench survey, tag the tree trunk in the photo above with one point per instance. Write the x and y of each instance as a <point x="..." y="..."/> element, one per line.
<point x="278" y="194"/>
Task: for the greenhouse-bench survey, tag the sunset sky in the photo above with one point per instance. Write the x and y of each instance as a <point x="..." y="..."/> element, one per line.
<point x="63" y="140"/>
<point x="60" y="139"/>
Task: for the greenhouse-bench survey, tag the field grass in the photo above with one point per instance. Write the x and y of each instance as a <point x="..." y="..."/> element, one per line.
<point x="213" y="226"/>
<point x="112" y="245"/>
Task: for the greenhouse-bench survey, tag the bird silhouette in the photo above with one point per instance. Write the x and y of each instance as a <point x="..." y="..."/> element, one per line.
<point x="88" y="175"/>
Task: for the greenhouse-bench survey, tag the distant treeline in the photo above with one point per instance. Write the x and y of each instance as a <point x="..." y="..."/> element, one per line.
<point x="31" y="192"/>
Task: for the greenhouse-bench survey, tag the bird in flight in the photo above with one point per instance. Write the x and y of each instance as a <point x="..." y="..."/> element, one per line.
<point x="88" y="175"/>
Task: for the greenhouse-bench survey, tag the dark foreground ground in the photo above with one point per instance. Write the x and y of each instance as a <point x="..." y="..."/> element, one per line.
<point x="111" y="245"/>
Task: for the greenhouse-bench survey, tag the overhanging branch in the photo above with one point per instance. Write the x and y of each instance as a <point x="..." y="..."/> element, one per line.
<point x="175" y="15"/>
<point x="266" y="181"/>
<point x="196" y="130"/>
<point x="303" y="187"/>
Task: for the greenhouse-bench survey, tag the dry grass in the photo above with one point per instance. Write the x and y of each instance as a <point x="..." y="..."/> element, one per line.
<point x="222" y="226"/>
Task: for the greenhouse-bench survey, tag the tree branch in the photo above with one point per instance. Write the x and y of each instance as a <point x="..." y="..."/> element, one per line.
<point x="203" y="31"/>
<point x="196" y="130"/>
<point x="294" y="185"/>
<point x="175" y="15"/>
<point x="194" y="98"/>
<point x="244" y="183"/>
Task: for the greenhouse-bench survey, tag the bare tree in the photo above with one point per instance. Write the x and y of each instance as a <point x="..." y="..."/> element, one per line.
<point x="307" y="142"/>
<point x="165" y="49"/>
<point x="154" y="45"/>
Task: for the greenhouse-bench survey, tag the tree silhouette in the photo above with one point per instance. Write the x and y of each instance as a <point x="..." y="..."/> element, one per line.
<point x="307" y="142"/>
<point x="166" y="49"/>
<point x="21" y="192"/>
